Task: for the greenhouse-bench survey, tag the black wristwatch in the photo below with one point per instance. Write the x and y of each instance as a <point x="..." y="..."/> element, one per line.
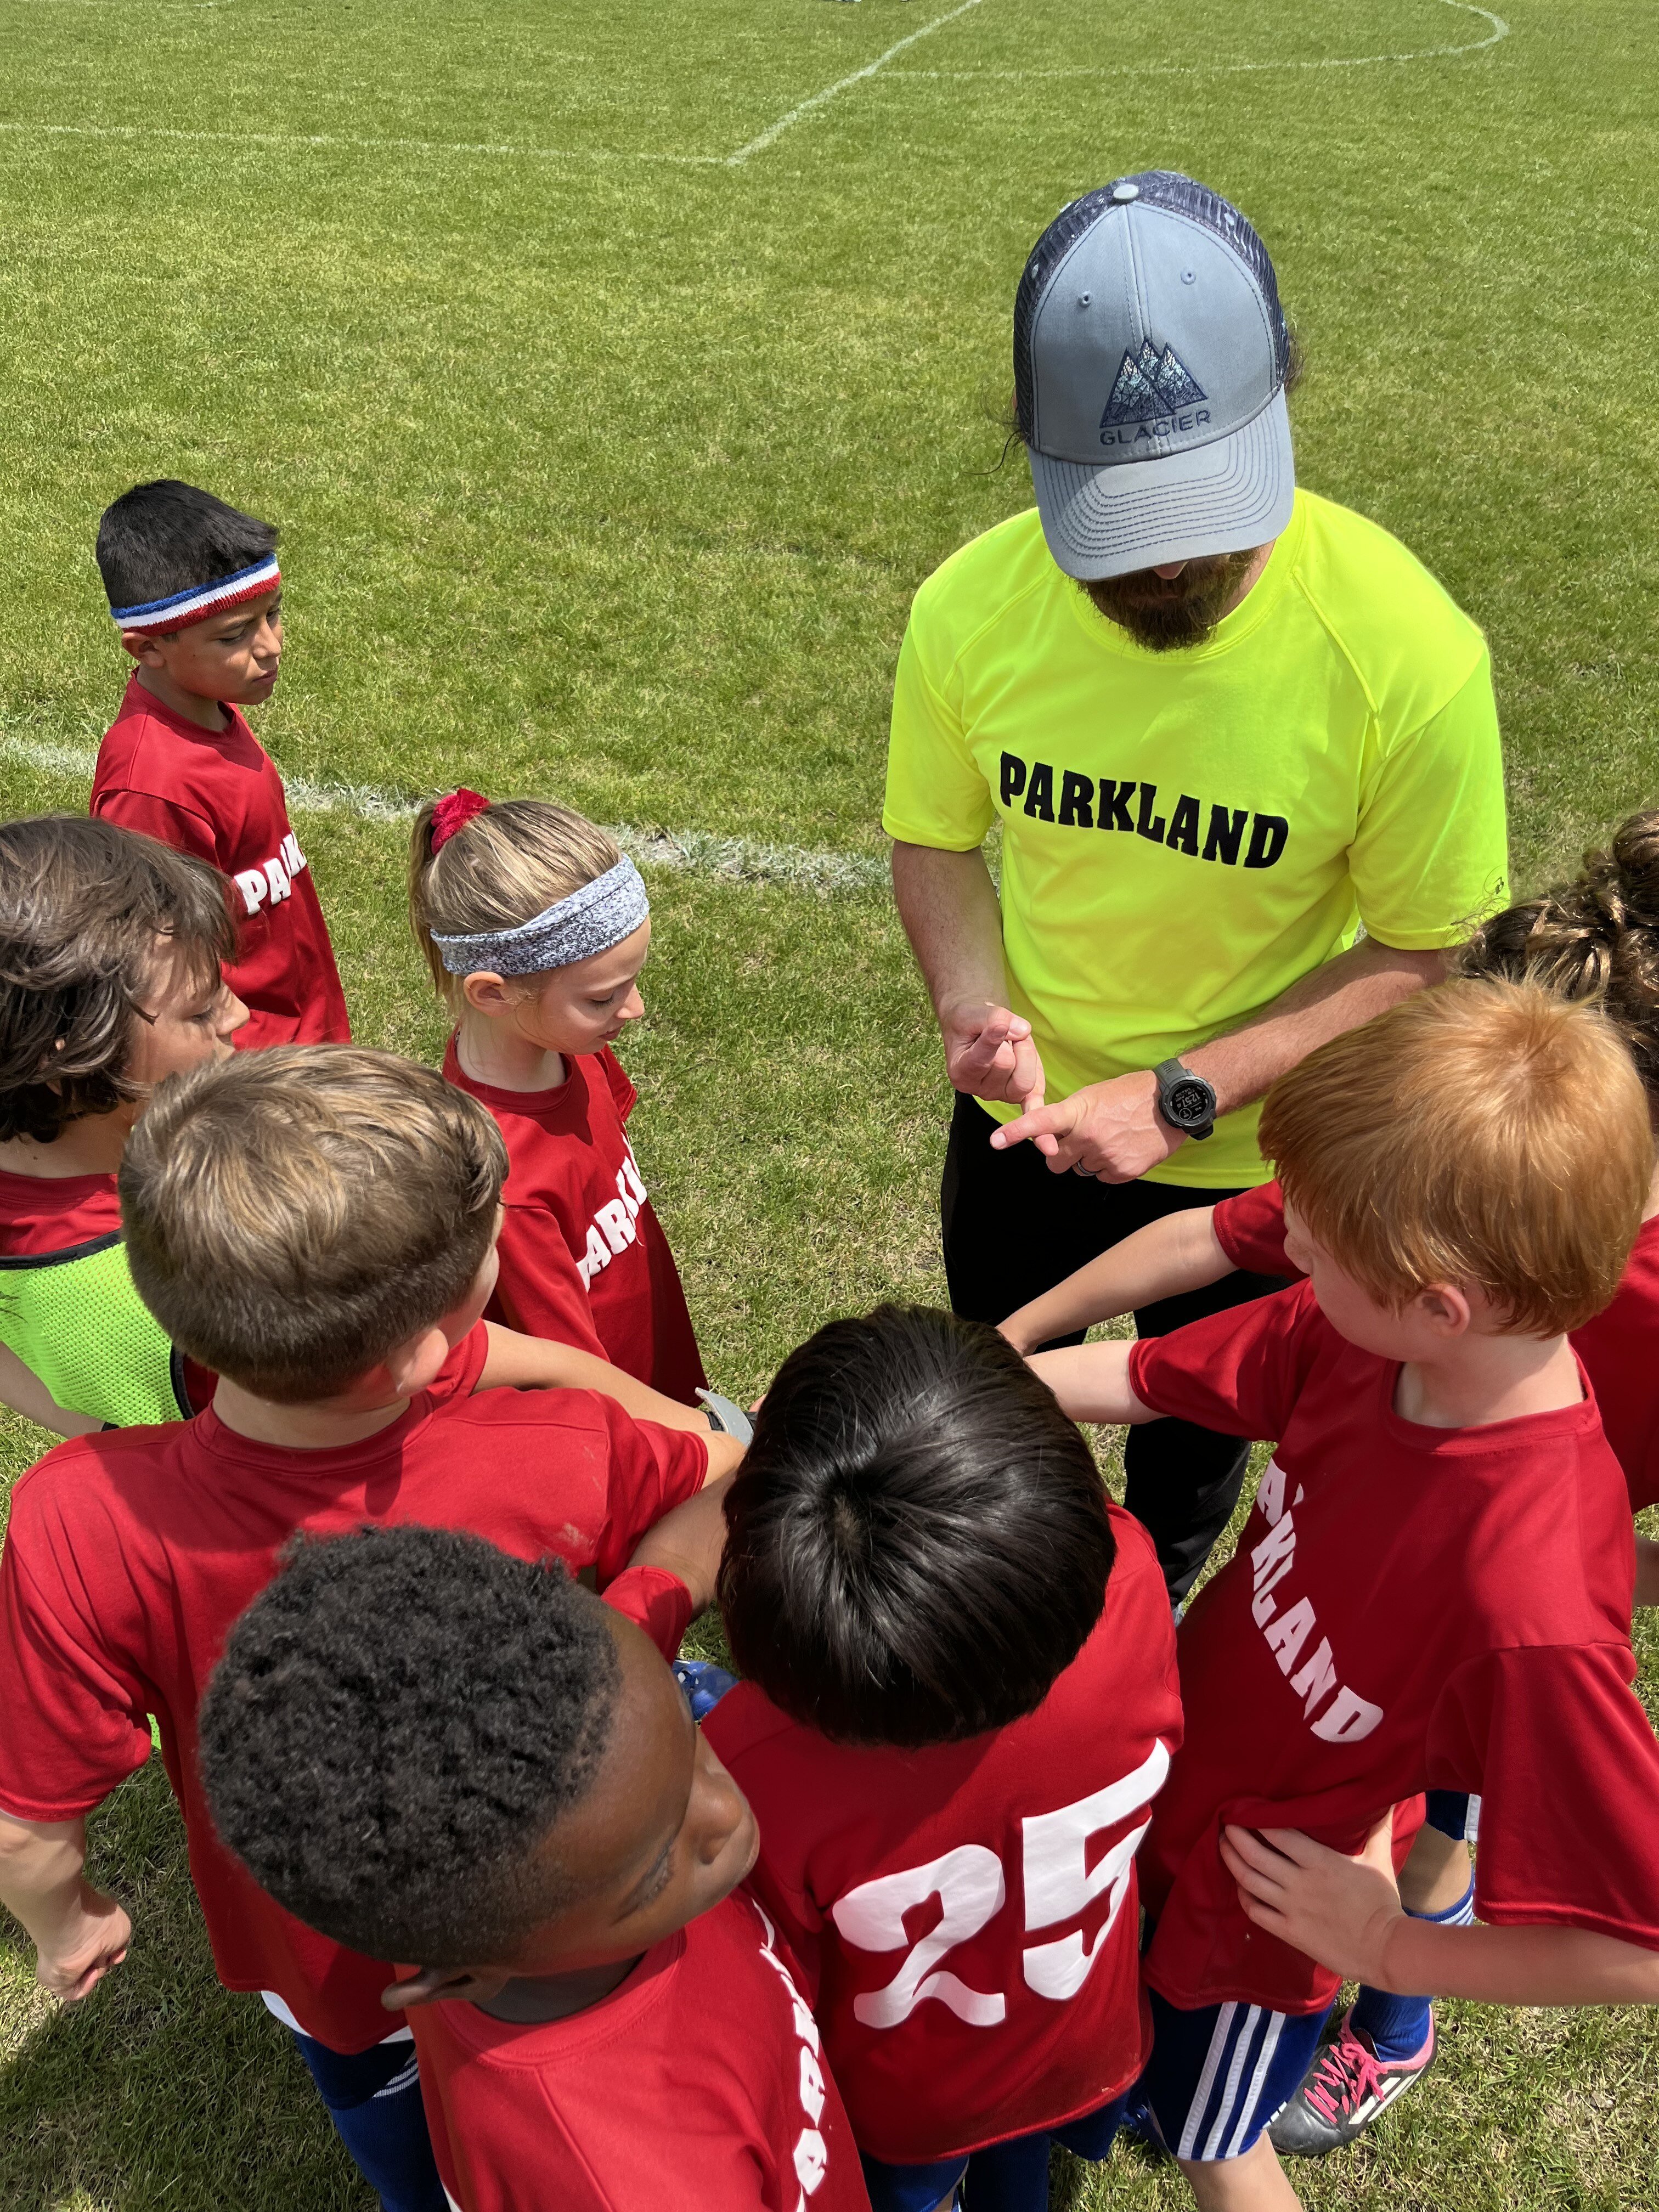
<point x="1186" y="1101"/>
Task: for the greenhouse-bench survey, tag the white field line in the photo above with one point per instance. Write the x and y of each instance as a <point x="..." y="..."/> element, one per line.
<point x="487" y="149"/>
<point x="776" y="131"/>
<point x="697" y="852"/>
<point x="1499" y="30"/>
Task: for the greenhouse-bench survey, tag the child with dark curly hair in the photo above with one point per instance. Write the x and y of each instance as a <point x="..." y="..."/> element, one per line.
<point x="315" y="1224"/>
<point x="509" y="1789"/>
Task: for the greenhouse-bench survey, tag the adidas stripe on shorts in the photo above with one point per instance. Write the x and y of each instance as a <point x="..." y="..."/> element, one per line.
<point x="1218" y="2075"/>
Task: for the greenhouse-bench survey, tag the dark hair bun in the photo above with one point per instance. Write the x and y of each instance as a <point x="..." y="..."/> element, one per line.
<point x="1596" y="938"/>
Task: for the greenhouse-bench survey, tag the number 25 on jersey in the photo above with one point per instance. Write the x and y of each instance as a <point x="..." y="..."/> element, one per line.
<point x="970" y="1884"/>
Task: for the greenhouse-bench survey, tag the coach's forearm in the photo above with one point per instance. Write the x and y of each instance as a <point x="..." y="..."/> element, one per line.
<point x="1515" y="1965"/>
<point x="1366" y="980"/>
<point x="515" y="1362"/>
<point x="948" y="905"/>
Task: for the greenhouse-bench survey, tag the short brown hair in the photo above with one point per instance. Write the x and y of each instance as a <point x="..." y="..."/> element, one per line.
<point x="1596" y="938"/>
<point x="294" y="1215"/>
<point x="82" y="905"/>
<point x="508" y="863"/>
<point x="1481" y="1133"/>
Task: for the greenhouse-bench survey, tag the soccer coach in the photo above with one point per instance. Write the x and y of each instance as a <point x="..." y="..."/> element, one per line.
<point x="1244" y="749"/>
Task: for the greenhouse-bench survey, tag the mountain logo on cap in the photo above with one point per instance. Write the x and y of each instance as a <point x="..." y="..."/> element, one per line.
<point x="1152" y="385"/>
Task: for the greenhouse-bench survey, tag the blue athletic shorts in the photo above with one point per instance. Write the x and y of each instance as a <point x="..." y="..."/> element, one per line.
<point x="1449" y="1811"/>
<point x="1217" y="2077"/>
<point x="1007" y="2177"/>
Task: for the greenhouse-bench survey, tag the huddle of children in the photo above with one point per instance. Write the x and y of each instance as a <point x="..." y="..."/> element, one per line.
<point x="393" y="1483"/>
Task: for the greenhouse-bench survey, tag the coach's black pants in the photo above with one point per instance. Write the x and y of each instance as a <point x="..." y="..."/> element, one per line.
<point x="1013" y="1230"/>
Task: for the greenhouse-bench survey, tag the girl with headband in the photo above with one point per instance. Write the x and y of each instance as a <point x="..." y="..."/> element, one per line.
<point x="535" y="927"/>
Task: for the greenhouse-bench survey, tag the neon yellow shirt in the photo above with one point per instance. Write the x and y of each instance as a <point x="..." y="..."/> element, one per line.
<point x="1186" y="834"/>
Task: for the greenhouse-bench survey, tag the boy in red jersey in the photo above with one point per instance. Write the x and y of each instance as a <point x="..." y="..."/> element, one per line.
<point x="316" y="1224"/>
<point x="510" y="1790"/>
<point x="1433" y="1590"/>
<point x="1595" y="938"/>
<point x="960" y="1703"/>
<point x="536" y="927"/>
<point x="194" y="586"/>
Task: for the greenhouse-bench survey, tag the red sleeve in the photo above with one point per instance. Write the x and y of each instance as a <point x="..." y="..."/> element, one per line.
<point x="540" y="1291"/>
<point x="653" y="1469"/>
<point x="1250" y="1230"/>
<point x="77" y="1719"/>
<point x="1556" y="1742"/>
<point x="1239" y="1371"/>
<point x="622" y="1090"/>
<point x="458" y="1375"/>
<point x="181" y="827"/>
<point x="655" y="1600"/>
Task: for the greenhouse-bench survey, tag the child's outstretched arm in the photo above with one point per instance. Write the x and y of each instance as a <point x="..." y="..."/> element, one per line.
<point x="1647" y="1571"/>
<point x="1181" y="1252"/>
<point x="1347" y="1914"/>
<point x="21" y="1388"/>
<point x="1092" y="1381"/>
<point x="539" y="1363"/>
<point x="689" y="1543"/>
<point x="78" y="1934"/>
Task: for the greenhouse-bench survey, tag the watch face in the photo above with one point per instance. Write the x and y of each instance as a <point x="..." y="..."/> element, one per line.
<point x="1188" y="1102"/>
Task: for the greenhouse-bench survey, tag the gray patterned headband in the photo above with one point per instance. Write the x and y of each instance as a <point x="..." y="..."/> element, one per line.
<point x="600" y="914"/>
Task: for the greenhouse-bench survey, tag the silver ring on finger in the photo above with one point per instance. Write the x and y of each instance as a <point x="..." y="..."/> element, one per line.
<point x="1078" y="1167"/>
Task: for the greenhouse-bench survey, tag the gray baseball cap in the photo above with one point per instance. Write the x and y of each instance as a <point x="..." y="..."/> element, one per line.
<point x="1150" y="356"/>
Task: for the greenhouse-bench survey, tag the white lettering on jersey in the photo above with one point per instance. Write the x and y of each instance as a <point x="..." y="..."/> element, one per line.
<point x="811" y="2155"/>
<point x="969" y="1885"/>
<point x="612" y="1230"/>
<point x="1348" y="1717"/>
<point x="614" y="1219"/>
<point x="1059" y="1884"/>
<point x="273" y="879"/>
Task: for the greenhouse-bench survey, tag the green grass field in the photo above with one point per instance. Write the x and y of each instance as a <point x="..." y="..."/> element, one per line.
<point x="615" y="388"/>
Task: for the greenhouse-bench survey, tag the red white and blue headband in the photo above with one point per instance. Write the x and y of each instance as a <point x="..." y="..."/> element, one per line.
<point x="157" y="617"/>
<point x="591" y="919"/>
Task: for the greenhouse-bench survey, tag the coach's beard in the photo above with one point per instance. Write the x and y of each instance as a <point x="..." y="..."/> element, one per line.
<point x="1163" y="612"/>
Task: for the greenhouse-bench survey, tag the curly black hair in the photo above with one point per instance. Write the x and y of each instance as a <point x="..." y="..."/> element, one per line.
<point x="917" y="1540"/>
<point x="399" y="1719"/>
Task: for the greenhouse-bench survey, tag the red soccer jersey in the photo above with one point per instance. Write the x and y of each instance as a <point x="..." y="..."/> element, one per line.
<point x="1408" y="1608"/>
<point x="43" y="1215"/>
<point x="584" y="1259"/>
<point x="1250" y="1230"/>
<point x="969" y="1912"/>
<point x="700" y="2082"/>
<point x="218" y="795"/>
<point x="1616" y="1347"/>
<point x="131" y="1553"/>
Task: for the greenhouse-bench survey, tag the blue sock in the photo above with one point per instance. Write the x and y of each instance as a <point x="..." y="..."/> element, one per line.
<point x="1397" y="2027"/>
<point x="373" y="2098"/>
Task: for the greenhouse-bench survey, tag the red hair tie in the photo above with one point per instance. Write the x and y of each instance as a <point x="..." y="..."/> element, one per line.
<point x="452" y="812"/>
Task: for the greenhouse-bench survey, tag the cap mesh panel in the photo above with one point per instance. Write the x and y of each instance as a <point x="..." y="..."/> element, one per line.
<point x="1158" y="188"/>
